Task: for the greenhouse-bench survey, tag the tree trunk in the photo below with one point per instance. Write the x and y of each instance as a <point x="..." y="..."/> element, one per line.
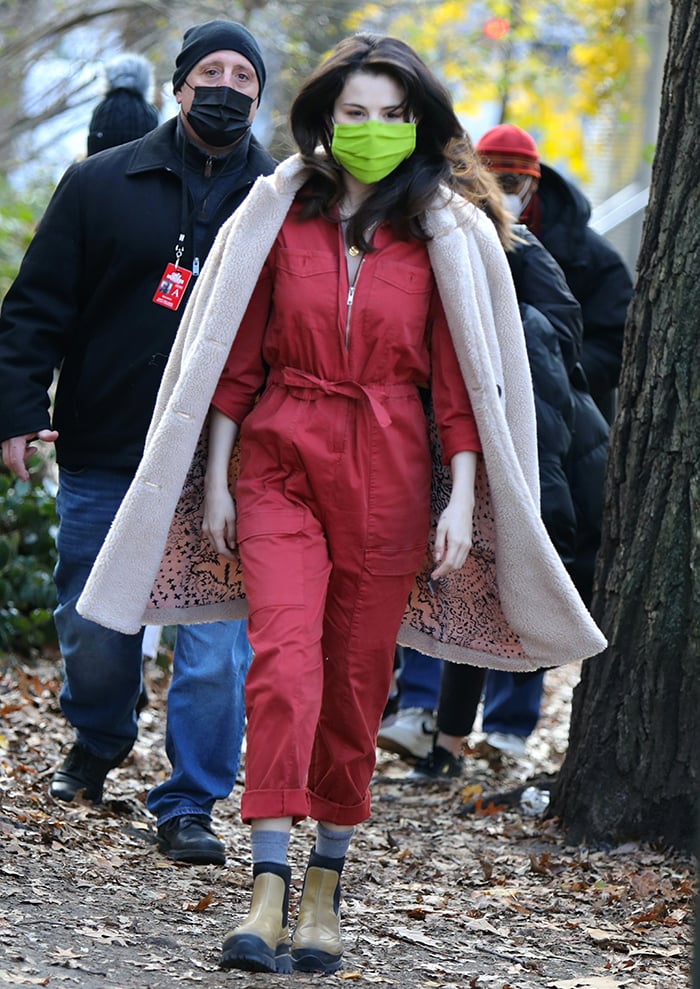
<point x="696" y="952"/>
<point x="632" y="771"/>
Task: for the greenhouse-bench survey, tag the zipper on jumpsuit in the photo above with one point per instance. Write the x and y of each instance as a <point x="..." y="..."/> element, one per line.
<point x="351" y="295"/>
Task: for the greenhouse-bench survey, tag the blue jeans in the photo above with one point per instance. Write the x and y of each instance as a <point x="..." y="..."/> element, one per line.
<point x="103" y="668"/>
<point x="419" y="678"/>
<point x="512" y="702"/>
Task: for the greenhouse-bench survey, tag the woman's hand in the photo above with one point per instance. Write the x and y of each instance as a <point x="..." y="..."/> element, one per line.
<point x="219" y="523"/>
<point x="453" y="538"/>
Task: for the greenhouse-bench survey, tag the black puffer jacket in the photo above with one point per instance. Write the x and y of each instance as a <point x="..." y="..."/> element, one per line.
<point x="596" y="274"/>
<point x="572" y="434"/>
<point x="585" y="470"/>
<point x="83" y="298"/>
<point x="554" y="412"/>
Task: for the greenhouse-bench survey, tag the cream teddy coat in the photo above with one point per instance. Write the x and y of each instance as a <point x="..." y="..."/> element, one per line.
<point x="512" y="606"/>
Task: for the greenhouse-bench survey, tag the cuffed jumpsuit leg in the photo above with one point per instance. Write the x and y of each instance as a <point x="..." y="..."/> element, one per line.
<point x="330" y="545"/>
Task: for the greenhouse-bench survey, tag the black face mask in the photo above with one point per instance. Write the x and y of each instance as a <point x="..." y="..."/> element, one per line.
<point x="219" y="114"/>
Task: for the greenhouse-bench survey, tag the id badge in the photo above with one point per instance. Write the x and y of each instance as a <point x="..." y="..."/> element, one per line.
<point x="172" y="285"/>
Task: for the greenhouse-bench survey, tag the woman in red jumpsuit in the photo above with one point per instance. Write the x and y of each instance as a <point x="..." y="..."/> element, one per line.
<point x="331" y="514"/>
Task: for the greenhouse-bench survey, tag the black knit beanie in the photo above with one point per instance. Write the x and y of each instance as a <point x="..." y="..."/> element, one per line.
<point x="124" y="114"/>
<point x="214" y="36"/>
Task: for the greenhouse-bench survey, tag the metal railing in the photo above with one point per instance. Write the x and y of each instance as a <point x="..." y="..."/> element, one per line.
<point x="629" y="201"/>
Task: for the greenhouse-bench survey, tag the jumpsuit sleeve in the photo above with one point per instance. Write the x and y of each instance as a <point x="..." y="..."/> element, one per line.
<point x="453" y="409"/>
<point x="244" y="373"/>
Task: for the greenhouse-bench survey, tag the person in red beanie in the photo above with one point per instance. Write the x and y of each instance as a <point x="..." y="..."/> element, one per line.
<point x="557" y="213"/>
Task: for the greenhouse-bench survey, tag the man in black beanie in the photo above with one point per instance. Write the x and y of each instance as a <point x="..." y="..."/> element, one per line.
<point x="218" y="81"/>
<point x="100" y="294"/>
<point x="203" y="39"/>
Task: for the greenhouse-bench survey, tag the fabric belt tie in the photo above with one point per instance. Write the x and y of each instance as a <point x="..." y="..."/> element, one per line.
<point x="294" y="378"/>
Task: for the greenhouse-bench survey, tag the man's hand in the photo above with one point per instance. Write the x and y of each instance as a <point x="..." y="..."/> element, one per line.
<point x="18" y="449"/>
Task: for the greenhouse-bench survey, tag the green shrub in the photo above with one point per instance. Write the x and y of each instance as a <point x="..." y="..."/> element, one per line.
<point x="27" y="511"/>
<point x="27" y="557"/>
<point x="19" y="215"/>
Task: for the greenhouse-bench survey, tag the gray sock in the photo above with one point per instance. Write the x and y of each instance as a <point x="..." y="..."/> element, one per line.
<point x="332" y="844"/>
<point x="269" y="846"/>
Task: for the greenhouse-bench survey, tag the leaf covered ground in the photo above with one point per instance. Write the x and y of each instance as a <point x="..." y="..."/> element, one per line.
<point x="434" y="897"/>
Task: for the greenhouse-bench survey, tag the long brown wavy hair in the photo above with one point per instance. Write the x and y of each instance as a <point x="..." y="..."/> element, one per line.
<point x="443" y="157"/>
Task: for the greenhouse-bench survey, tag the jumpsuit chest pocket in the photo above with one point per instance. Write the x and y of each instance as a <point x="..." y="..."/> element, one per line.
<point x="408" y="279"/>
<point x="305" y="298"/>
<point x="305" y="264"/>
<point x="400" y="296"/>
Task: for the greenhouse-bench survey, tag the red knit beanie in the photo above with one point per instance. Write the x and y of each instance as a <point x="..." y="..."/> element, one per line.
<point x="507" y="148"/>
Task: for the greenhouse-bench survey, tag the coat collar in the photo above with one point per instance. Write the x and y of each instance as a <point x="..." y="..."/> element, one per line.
<point x="159" y="150"/>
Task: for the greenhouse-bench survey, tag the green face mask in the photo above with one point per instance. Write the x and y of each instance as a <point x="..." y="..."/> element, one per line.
<point x="373" y="149"/>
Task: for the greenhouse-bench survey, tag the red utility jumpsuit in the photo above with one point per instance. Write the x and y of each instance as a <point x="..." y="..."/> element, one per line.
<point x="332" y="501"/>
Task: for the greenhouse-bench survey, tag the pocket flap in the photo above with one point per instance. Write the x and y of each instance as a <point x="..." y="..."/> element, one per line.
<point x="263" y="523"/>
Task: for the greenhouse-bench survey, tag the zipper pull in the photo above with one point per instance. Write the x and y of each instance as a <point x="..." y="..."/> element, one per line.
<point x="195" y="266"/>
<point x="351" y="293"/>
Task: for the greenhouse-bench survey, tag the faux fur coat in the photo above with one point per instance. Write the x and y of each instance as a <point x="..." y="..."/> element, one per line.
<point x="512" y="606"/>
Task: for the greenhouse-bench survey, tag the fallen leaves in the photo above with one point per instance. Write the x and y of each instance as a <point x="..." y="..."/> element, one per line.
<point x="487" y="865"/>
<point x="431" y="898"/>
<point x="22" y="980"/>
<point x="541" y="865"/>
<point x="489" y="809"/>
<point x="413" y="937"/>
<point x="202" y="904"/>
<point x="592" y="982"/>
<point x="104" y="935"/>
<point x="471" y="792"/>
<point x="417" y="913"/>
<point x="606" y="938"/>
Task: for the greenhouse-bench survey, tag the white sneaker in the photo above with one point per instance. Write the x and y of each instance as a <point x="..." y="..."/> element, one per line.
<point x="409" y="733"/>
<point x="512" y="745"/>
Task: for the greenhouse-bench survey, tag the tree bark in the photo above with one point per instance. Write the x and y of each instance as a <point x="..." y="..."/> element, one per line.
<point x="632" y="771"/>
<point x="696" y="952"/>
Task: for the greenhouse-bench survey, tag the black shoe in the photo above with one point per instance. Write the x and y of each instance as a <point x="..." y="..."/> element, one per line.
<point x="82" y="770"/>
<point x="439" y="764"/>
<point x="190" y="838"/>
<point x="392" y="705"/>
<point x="142" y="702"/>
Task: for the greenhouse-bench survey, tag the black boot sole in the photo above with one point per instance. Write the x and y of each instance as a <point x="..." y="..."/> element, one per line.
<point x="251" y="954"/>
<point x="193" y="857"/>
<point x="314" y="960"/>
<point x="67" y="789"/>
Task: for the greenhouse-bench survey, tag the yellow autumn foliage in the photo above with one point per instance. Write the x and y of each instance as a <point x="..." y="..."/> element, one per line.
<point x="557" y="65"/>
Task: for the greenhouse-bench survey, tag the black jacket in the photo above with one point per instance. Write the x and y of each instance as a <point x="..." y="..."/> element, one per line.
<point x="83" y="298"/>
<point x="554" y="411"/>
<point x="596" y="275"/>
<point x="572" y="435"/>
